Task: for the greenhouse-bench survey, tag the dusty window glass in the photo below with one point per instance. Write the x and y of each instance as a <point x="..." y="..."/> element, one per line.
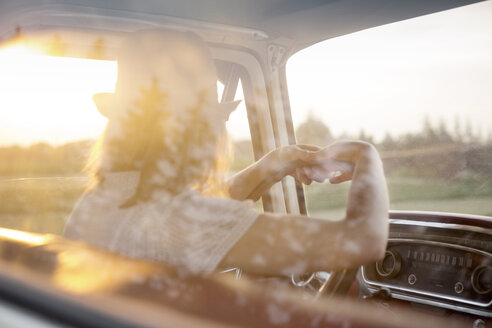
<point x="48" y="125"/>
<point x="242" y="154"/>
<point x="419" y="90"/>
<point x="239" y="133"/>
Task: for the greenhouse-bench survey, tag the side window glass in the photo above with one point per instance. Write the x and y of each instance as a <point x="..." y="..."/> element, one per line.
<point x="419" y="90"/>
<point x="238" y="131"/>
<point x="48" y="125"/>
<point x="240" y="138"/>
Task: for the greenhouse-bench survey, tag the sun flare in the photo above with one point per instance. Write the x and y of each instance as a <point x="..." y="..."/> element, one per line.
<point x="47" y="98"/>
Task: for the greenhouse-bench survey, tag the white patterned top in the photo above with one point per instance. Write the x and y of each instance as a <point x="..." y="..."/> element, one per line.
<point x="189" y="231"/>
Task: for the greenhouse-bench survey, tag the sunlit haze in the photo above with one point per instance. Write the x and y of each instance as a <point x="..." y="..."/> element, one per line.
<point x="39" y="92"/>
<point x="382" y="80"/>
<point x="387" y="79"/>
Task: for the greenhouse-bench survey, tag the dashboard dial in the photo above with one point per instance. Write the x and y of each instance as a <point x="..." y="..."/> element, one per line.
<point x="482" y="279"/>
<point x="390" y="265"/>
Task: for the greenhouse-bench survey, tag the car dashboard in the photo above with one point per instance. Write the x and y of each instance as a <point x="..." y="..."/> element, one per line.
<point x="443" y="261"/>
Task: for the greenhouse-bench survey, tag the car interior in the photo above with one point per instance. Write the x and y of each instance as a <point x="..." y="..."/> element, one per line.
<point x="437" y="269"/>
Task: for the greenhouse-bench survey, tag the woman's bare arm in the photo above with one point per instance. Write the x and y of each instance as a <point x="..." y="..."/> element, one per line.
<point x="284" y="243"/>
<point x="257" y="178"/>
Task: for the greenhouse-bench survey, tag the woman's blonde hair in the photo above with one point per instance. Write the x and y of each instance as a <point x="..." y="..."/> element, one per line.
<point x="176" y="144"/>
<point x="198" y="159"/>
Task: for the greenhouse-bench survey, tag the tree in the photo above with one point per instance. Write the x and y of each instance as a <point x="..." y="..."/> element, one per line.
<point x="313" y="131"/>
<point x="389" y="143"/>
<point x="365" y="137"/>
<point x="428" y="132"/>
<point x="141" y="144"/>
<point x="442" y="133"/>
<point x="170" y="151"/>
<point x="458" y="134"/>
<point x="470" y="135"/>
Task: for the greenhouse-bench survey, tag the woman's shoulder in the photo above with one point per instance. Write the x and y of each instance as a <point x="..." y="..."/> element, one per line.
<point x="194" y="205"/>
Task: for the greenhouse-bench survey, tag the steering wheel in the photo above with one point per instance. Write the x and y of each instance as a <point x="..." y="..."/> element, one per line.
<point x="321" y="282"/>
<point x="326" y="283"/>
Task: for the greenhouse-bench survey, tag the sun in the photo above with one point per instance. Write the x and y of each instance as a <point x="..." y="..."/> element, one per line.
<point x="49" y="99"/>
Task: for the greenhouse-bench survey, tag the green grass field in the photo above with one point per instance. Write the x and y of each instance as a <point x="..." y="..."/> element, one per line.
<point x="39" y="205"/>
<point x="44" y="204"/>
<point x="476" y="206"/>
<point x="471" y="195"/>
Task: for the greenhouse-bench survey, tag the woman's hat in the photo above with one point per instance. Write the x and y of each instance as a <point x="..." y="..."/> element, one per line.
<point x="181" y="66"/>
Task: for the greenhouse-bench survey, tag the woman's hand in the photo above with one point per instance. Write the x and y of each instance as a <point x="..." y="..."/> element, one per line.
<point x="285" y="160"/>
<point x="334" y="162"/>
<point x="306" y="163"/>
<point x="257" y="178"/>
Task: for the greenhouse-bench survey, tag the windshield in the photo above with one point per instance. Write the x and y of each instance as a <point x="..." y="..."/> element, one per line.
<point x="49" y="125"/>
<point x="417" y="89"/>
<point x="64" y="187"/>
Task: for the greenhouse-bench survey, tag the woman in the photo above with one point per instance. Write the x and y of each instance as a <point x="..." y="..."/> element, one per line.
<point x="158" y="193"/>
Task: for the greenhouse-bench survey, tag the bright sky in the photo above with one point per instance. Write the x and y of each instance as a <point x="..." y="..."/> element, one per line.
<point x="39" y="92"/>
<point x="383" y="79"/>
<point x="386" y="79"/>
